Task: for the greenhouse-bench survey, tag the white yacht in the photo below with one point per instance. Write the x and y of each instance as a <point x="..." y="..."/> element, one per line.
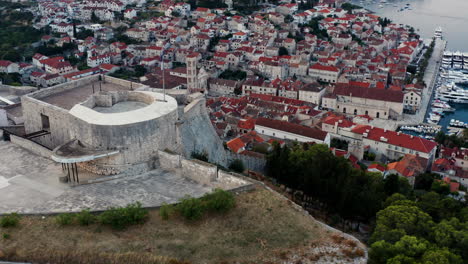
<point x="454" y="96"/>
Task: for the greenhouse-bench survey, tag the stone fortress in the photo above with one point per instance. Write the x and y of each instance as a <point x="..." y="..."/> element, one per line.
<point x="109" y="126"/>
<point x="134" y="141"/>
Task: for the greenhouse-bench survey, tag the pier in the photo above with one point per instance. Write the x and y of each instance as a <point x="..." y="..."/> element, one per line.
<point x="430" y="78"/>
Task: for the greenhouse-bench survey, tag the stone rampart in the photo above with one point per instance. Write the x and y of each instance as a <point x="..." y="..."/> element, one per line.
<point x="64" y="87"/>
<point x="58" y="120"/>
<point x="230" y="180"/>
<point x="198" y="135"/>
<point x="122" y="82"/>
<point x="253" y="163"/>
<point x="31" y="146"/>
<point x="199" y="171"/>
<point x="169" y="161"/>
<point x="203" y="172"/>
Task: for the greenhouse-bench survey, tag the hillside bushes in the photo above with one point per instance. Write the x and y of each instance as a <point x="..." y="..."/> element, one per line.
<point x="118" y="218"/>
<point x="192" y="209"/>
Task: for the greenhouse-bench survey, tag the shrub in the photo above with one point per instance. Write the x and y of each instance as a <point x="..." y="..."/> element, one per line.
<point x="6" y="236"/>
<point x="165" y="211"/>
<point x="85" y="218"/>
<point x="10" y="220"/>
<point x="219" y="201"/>
<point x="203" y="156"/>
<point x="64" y="219"/>
<point x="237" y="165"/>
<point x="121" y="217"/>
<point x="191" y="208"/>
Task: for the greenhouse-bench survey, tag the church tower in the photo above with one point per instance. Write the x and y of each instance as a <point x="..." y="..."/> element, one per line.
<point x="192" y="80"/>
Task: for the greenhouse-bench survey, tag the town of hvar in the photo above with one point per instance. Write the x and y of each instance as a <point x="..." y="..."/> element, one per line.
<point x="233" y="131"/>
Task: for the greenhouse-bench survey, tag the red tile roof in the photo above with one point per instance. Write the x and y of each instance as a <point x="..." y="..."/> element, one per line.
<point x="292" y="128"/>
<point x="369" y="93"/>
<point x="409" y="166"/>
<point x="321" y="67"/>
<point x="377" y="167"/>
<point x="396" y="138"/>
<point x="246" y="124"/>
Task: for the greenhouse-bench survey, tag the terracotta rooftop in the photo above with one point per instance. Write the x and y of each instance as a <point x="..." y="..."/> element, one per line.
<point x="292" y="128"/>
<point x="396" y="138"/>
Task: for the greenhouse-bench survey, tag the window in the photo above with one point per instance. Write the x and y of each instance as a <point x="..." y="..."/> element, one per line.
<point x="377" y="115"/>
<point x="45" y="122"/>
<point x="355" y="111"/>
<point x="344" y="110"/>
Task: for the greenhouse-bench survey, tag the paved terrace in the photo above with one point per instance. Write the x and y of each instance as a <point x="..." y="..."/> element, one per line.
<point x="67" y="99"/>
<point x="29" y="184"/>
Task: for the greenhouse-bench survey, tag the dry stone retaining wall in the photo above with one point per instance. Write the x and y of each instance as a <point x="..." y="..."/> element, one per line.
<point x="199" y="171"/>
<point x="169" y="161"/>
<point x="203" y="172"/>
<point x="31" y="146"/>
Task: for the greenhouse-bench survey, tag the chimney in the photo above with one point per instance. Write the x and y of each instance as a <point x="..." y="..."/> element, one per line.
<point x="411" y="136"/>
<point x="385" y="130"/>
<point x="398" y="133"/>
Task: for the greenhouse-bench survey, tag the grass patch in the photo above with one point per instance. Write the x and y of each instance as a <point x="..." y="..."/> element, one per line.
<point x="120" y="218"/>
<point x="10" y="220"/>
<point x="247" y="233"/>
<point x="64" y="219"/>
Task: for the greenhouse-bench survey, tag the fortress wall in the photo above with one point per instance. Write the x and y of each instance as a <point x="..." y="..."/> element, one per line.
<point x="251" y="163"/>
<point x="122" y="82"/>
<point x="199" y="171"/>
<point x="204" y="173"/>
<point x="198" y="135"/>
<point x="58" y="120"/>
<point x="64" y="87"/>
<point x="230" y="180"/>
<point x="137" y="142"/>
<point x="169" y="161"/>
<point x="31" y="146"/>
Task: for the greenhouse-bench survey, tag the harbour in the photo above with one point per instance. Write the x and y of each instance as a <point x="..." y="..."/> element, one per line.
<point x="446" y="106"/>
<point x="425" y="16"/>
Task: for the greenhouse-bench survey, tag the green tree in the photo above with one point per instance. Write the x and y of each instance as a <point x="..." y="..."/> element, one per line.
<point x="395" y="221"/>
<point x="140" y="70"/>
<point x="391" y="184"/>
<point x="440" y="187"/>
<point x="95" y="18"/>
<point x="424" y="181"/>
<point x="440" y="256"/>
<point x="397" y="199"/>
<point x="283" y="51"/>
<point x="237" y="165"/>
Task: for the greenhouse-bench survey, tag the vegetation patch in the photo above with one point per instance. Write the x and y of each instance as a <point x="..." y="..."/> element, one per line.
<point x="10" y="220"/>
<point x="253" y="231"/>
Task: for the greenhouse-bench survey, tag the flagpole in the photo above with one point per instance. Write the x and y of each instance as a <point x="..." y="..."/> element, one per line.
<point x="163" y="75"/>
<point x="164" y="81"/>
